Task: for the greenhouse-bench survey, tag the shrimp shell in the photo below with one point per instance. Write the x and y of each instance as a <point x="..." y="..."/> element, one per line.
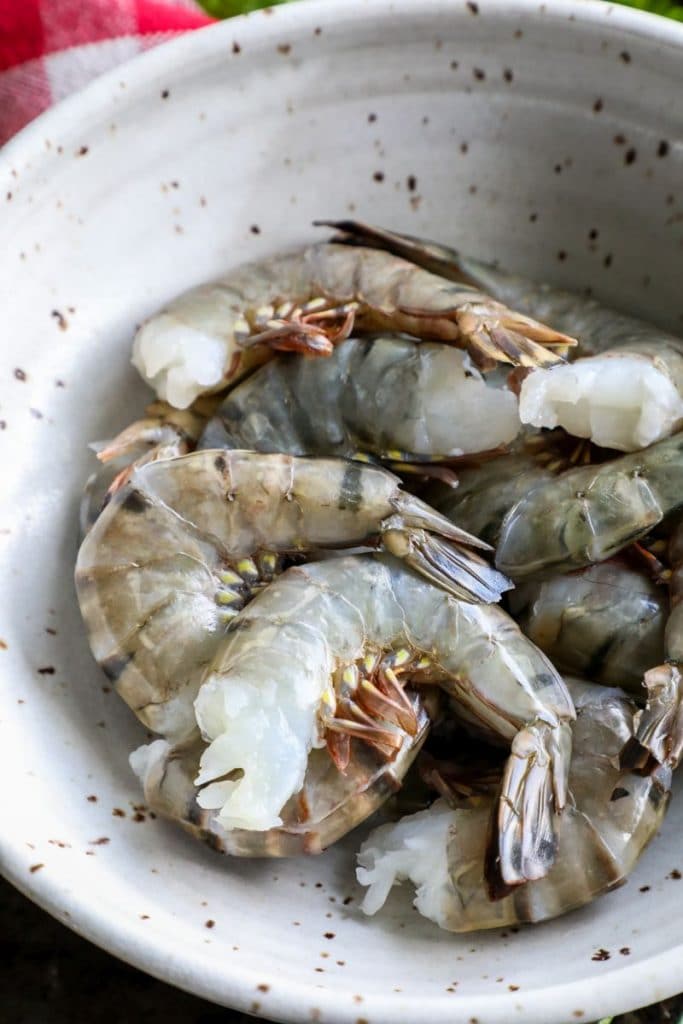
<point x="187" y="541"/>
<point x="308" y="300"/>
<point x="329" y="804"/>
<point x="313" y="624"/>
<point x="612" y="817"/>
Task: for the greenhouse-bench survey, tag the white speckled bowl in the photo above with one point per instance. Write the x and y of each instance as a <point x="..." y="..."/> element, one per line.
<point x="222" y="146"/>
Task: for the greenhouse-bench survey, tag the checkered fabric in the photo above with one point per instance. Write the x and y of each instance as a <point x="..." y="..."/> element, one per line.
<point x="50" y="48"/>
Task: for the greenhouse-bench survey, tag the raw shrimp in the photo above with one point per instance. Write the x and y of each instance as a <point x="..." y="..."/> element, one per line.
<point x="392" y="397"/>
<point x="311" y="656"/>
<point x="605" y="622"/>
<point x="587" y="514"/>
<point x="308" y="300"/>
<point x="329" y="804"/>
<point x="602" y="832"/>
<point x="626" y="398"/>
<point x="597" y="327"/>
<point x="186" y="542"/>
<point x="660" y="723"/>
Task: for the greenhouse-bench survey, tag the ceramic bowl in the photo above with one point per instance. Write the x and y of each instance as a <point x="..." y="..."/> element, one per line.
<point x="547" y="137"/>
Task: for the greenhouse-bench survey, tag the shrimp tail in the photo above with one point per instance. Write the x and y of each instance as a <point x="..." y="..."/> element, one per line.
<point x="523" y="838"/>
<point x="659" y="725"/>
<point x="439" y="551"/>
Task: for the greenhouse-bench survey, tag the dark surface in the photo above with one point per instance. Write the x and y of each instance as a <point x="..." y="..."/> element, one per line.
<point x="48" y="975"/>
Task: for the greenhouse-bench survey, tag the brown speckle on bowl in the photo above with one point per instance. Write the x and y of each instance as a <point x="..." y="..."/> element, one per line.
<point x="284" y="49"/>
<point x="372" y="118"/>
<point x="317" y="31"/>
<point x="60" y="319"/>
<point x="625" y="56"/>
<point x="378" y="176"/>
<point x="508" y="74"/>
<point x="102" y="841"/>
<point x="212" y="924"/>
<point x="578" y="1014"/>
<point x="324" y="956"/>
<point x="8" y="196"/>
<point x="255" y="229"/>
<point x="165" y="93"/>
<point x="479" y="74"/>
<point x="19" y="373"/>
<point x="558" y="168"/>
<point x="601" y="955"/>
<point x="236" y="48"/>
<point x="47" y="670"/>
<point x="144" y="917"/>
<point x="598" y="105"/>
<point x="473" y="7"/>
<point x="411" y="182"/>
<point x="82" y="151"/>
<point x="630" y="156"/>
<point x="464" y="147"/>
<point x="675" y="874"/>
<point x="663" y="148"/>
<point x="607" y="262"/>
<point x="328" y="935"/>
<point x="92" y="799"/>
<point x="118" y="812"/>
<point x="625" y="950"/>
<point x="562" y="255"/>
<point x="514" y="988"/>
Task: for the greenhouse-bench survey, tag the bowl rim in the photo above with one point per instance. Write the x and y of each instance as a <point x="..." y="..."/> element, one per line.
<point x="654" y="978"/>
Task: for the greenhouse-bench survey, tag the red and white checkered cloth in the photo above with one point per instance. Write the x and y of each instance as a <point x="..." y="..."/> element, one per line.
<point x="50" y="48"/>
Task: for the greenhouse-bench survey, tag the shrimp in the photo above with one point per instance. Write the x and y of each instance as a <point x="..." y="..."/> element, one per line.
<point x="605" y="622"/>
<point x="627" y="398"/>
<point x="660" y="723"/>
<point x="186" y="542"/>
<point x="391" y="397"/>
<point x="612" y="816"/>
<point x="329" y="804"/>
<point x="308" y="300"/>
<point x="587" y="514"/>
<point x="597" y="327"/>
<point x="311" y="656"/>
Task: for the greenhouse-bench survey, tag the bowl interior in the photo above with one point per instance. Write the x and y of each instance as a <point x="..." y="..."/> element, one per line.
<point x="547" y="139"/>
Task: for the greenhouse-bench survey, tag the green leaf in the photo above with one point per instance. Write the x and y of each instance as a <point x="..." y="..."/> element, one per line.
<point x="228" y="8"/>
<point x="606" y="1020"/>
<point x="665" y="7"/>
